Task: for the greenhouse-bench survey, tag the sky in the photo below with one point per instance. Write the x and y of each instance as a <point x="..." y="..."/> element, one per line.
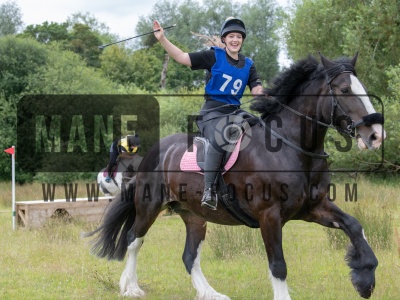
<point x="120" y="16"/>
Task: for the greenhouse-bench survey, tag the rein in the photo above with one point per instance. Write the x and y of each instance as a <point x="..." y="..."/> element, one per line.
<point x="291" y="144"/>
<point x="367" y="120"/>
<point x="335" y="104"/>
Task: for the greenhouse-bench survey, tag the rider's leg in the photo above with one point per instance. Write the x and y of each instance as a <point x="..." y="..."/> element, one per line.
<point x="212" y="165"/>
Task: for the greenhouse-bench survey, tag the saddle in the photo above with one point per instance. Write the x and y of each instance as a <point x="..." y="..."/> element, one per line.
<point x="193" y="161"/>
<point x="194" y="157"/>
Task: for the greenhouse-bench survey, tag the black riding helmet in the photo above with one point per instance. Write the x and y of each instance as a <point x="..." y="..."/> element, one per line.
<point x="233" y="25"/>
<point x="133" y="140"/>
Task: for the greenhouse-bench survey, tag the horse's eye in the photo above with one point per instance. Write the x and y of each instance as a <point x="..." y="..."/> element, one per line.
<point x="345" y="90"/>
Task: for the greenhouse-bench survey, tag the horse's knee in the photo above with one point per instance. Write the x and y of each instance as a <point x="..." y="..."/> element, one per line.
<point x="278" y="269"/>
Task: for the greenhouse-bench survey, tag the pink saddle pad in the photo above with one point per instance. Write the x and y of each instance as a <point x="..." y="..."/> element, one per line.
<point x="189" y="163"/>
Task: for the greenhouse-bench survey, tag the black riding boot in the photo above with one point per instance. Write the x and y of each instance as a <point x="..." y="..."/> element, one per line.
<point x="212" y="165"/>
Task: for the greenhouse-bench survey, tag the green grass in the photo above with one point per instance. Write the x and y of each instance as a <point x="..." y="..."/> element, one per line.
<point x="377" y="211"/>
<point x="53" y="262"/>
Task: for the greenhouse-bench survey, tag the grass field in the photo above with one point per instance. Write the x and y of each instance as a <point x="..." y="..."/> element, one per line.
<point x="53" y="262"/>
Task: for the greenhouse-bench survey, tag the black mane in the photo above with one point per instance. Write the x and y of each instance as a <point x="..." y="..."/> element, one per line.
<point x="294" y="80"/>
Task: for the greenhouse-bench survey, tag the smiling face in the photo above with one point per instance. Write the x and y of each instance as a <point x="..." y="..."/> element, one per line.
<point x="233" y="42"/>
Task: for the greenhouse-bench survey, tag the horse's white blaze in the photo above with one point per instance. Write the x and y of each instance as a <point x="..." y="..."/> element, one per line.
<point x="129" y="282"/>
<point x="336" y="224"/>
<point x="200" y="283"/>
<point x="280" y="288"/>
<point x="359" y="90"/>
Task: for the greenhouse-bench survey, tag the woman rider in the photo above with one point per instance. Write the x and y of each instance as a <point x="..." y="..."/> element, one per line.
<point x="229" y="73"/>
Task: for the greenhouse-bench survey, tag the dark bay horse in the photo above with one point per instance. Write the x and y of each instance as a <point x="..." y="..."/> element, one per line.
<point x="285" y="152"/>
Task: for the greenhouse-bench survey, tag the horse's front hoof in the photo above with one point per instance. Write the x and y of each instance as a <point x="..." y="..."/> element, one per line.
<point x="364" y="282"/>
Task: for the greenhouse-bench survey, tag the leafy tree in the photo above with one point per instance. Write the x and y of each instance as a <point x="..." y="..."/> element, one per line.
<point x="143" y="68"/>
<point x="66" y="72"/>
<point x="89" y="20"/>
<point x="187" y="105"/>
<point x="30" y="67"/>
<point x="178" y="76"/>
<point x="10" y="18"/>
<point x="99" y="28"/>
<point x="18" y="60"/>
<point x="146" y="70"/>
<point x="82" y="33"/>
<point x="47" y="32"/>
<point x="392" y="116"/>
<point x="7" y="130"/>
<point x="86" y="43"/>
<point x="116" y="64"/>
<point x="261" y="43"/>
<point x="341" y="28"/>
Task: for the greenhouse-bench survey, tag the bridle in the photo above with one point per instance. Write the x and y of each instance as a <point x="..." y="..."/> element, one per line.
<point x="350" y="129"/>
<point x="368" y="120"/>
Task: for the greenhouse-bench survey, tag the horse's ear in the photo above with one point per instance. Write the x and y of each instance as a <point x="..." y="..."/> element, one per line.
<point x="354" y="60"/>
<point x="326" y="62"/>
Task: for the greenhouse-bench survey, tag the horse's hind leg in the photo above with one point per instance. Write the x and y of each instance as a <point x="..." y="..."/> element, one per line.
<point x="146" y="214"/>
<point x="195" y="234"/>
<point x="360" y="257"/>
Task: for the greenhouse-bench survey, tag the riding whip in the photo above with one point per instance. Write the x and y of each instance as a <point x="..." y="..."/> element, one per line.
<point x="106" y="45"/>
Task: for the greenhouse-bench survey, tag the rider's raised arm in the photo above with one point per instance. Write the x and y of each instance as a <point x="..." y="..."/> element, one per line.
<point x="175" y="52"/>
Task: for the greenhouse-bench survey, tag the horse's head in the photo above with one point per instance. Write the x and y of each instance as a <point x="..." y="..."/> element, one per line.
<point x="352" y="111"/>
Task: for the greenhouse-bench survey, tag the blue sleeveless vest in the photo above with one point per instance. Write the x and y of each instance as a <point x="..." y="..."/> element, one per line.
<point x="227" y="83"/>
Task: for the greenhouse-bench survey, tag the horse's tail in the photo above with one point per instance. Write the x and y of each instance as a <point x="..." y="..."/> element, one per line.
<point x="111" y="237"/>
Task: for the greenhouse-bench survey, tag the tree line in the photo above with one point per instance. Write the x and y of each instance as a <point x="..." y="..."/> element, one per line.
<point x="64" y="58"/>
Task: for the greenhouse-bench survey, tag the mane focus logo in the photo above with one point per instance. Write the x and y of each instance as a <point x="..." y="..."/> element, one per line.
<point x="73" y="133"/>
<point x="230" y="129"/>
